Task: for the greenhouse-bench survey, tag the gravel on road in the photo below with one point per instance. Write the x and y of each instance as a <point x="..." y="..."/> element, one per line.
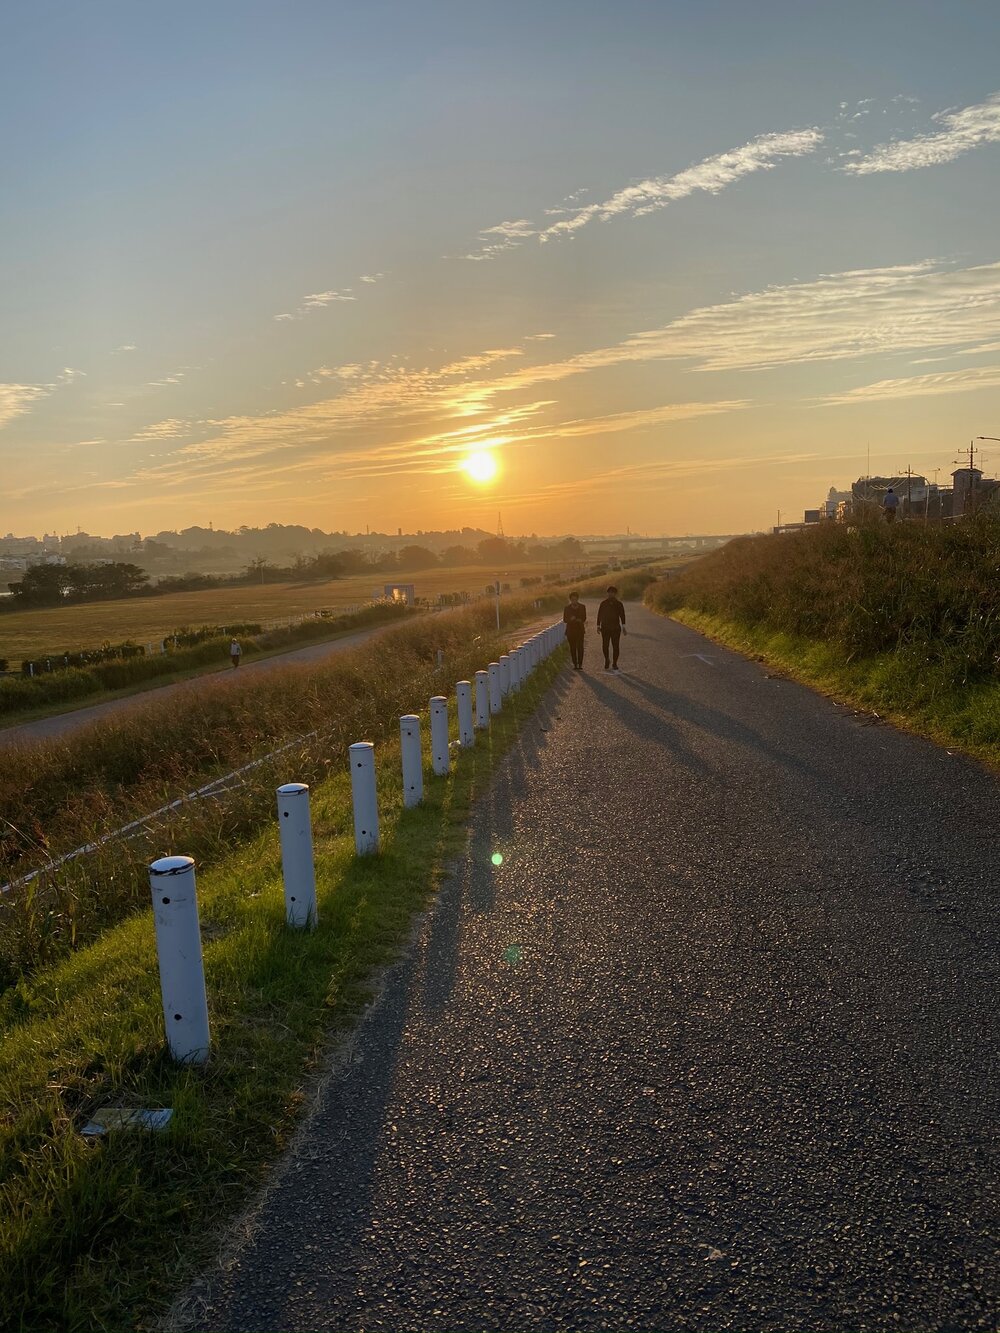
<point x="713" y="1047"/>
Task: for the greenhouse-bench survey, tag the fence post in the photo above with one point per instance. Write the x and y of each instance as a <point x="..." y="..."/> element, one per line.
<point x="466" y="732"/>
<point x="504" y="674"/>
<point x="482" y="699"/>
<point x="297" y="865"/>
<point x="439" y="735"/>
<point x="178" y="949"/>
<point x="496" y="702"/>
<point x="365" y="800"/>
<point x="413" y="760"/>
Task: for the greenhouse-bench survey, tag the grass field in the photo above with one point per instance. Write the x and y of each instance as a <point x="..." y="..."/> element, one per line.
<point x="24" y="634"/>
<point x="100" y="1236"/>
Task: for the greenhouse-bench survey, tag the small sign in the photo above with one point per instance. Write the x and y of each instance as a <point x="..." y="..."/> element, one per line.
<point x="125" y="1117"/>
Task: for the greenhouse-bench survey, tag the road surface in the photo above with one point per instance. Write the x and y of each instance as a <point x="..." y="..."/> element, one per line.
<point x="713" y="1048"/>
<point x="64" y="723"/>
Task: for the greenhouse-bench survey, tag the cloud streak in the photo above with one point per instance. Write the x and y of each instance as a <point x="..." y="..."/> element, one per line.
<point x="919" y="386"/>
<point x="961" y="131"/>
<point x="710" y="176"/>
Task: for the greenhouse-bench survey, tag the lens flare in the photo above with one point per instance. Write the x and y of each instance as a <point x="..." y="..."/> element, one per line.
<point x="497" y="859"/>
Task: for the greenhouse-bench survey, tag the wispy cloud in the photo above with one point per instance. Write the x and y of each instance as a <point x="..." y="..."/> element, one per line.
<point x="174" y="377"/>
<point x="371" y="277"/>
<point x="709" y="176"/>
<point x="17" y="399"/>
<point x="961" y="131"/>
<point x="919" y="386"/>
<point x="125" y="347"/>
<point x="170" y="429"/>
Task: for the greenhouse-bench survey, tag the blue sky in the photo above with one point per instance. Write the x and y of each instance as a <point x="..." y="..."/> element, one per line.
<point x="675" y="265"/>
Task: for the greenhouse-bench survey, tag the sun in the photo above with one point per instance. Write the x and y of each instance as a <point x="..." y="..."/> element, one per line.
<point x="481" y="467"/>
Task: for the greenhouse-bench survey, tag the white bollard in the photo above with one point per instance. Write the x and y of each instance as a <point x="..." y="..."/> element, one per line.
<point x="504" y="674"/>
<point x="178" y="948"/>
<point x="515" y="670"/>
<point x="413" y="760"/>
<point x="365" y="799"/>
<point x="496" y="694"/>
<point x="439" y="735"/>
<point x="482" y="699"/>
<point x="297" y="865"/>
<point x="466" y="730"/>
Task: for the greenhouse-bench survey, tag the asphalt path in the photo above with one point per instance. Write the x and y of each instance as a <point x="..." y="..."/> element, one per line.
<point x="713" y="1048"/>
<point x="62" y="724"/>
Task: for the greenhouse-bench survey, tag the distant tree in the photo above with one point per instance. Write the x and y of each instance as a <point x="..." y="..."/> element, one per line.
<point x="459" y="555"/>
<point x="499" y="551"/>
<point x="416" y="557"/>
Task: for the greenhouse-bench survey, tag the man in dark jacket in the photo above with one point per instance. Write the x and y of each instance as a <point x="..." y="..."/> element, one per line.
<point x="575" y="620"/>
<point x="611" y="623"/>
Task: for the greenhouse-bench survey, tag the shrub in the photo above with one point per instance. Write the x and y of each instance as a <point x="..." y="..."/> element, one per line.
<point x="929" y="591"/>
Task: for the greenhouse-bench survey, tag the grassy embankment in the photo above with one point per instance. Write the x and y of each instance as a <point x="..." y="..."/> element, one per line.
<point x="902" y="620"/>
<point x="97" y="1236"/>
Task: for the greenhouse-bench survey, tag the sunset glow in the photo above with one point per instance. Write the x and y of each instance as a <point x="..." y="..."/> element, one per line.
<point x="481" y="467"/>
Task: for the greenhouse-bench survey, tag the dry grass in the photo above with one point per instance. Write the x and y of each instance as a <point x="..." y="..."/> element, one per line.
<point x="24" y="634"/>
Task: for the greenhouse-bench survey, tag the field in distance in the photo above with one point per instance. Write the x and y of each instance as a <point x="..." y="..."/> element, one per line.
<point x="24" y="634"/>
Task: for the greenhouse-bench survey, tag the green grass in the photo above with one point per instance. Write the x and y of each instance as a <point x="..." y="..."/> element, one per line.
<point x="82" y="688"/>
<point x="898" y="686"/>
<point x="100" y="1236"/>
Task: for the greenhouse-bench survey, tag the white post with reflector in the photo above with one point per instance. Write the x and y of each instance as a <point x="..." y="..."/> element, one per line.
<point x="178" y="948"/>
<point x="297" y="865"/>
<point x="482" y="699"/>
<point x="496" y="694"/>
<point x="364" y="796"/>
<point x="504" y="674"/>
<point x="439" y="735"/>
<point x="413" y="760"/>
<point x="466" y="730"/>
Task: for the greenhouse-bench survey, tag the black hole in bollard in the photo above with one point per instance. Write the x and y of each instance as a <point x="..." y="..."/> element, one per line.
<point x="166" y="900"/>
<point x="292" y="899"/>
<point x="177" y="1018"/>
<point x="285" y="813"/>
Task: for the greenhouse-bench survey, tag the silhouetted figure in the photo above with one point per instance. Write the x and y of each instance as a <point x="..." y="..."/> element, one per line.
<point x="890" y="504"/>
<point x="235" y="651"/>
<point x="611" y="623"/>
<point x="575" y="620"/>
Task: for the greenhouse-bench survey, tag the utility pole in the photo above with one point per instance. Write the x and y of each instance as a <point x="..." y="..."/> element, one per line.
<point x="909" y="491"/>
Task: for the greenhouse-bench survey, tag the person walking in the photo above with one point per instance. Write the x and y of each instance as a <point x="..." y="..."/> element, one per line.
<point x="890" y="504"/>
<point x="611" y="623"/>
<point x="235" y="652"/>
<point x="575" y="620"/>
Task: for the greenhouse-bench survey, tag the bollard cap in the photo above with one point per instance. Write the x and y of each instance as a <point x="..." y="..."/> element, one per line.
<point x="463" y="684"/>
<point x="437" y="700"/>
<point x="172" y="865"/>
<point x="293" y="789"/>
<point x="362" y="745"/>
<point x="408" y="720"/>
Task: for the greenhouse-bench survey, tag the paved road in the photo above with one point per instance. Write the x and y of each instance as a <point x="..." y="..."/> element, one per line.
<point x="64" y="723"/>
<point x="713" y="1048"/>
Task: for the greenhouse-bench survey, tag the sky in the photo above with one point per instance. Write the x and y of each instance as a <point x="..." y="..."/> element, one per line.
<point x="653" y="265"/>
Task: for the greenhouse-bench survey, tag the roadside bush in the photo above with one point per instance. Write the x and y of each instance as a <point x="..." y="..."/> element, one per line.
<point x="61" y="794"/>
<point x="931" y="592"/>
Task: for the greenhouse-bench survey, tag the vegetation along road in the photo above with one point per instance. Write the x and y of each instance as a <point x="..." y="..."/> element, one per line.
<point x="64" y="723"/>
<point x="701" y="1034"/>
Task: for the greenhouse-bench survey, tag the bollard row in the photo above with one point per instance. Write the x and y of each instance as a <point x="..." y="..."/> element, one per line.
<point x="172" y="878"/>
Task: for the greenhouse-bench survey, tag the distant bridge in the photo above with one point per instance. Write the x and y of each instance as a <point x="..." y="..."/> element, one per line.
<point x="631" y="542"/>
